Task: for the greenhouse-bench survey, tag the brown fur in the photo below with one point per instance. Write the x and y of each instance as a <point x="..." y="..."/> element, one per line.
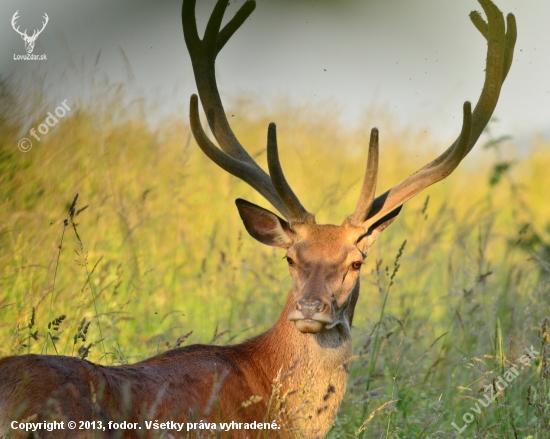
<point x="178" y="385"/>
<point x="300" y="377"/>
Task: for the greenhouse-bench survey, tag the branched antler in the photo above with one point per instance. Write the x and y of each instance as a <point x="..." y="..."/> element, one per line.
<point x="232" y="156"/>
<point x="500" y="51"/>
<point x="369" y="210"/>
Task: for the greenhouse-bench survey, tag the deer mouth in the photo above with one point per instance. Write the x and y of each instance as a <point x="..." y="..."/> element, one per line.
<point x="309" y="324"/>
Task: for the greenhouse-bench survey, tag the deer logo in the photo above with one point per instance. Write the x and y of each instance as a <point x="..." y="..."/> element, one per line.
<point x="29" y="40"/>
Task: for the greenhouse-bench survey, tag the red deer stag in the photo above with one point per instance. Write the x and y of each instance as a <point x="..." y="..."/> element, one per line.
<point x="294" y="374"/>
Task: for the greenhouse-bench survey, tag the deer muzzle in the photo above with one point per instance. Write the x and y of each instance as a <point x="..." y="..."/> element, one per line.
<point x="311" y="316"/>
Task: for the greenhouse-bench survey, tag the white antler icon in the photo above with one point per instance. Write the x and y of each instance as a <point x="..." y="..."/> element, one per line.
<point x="29" y="40"/>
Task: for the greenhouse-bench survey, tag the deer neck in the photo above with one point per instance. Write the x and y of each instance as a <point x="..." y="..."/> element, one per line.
<point x="308" y="371"/>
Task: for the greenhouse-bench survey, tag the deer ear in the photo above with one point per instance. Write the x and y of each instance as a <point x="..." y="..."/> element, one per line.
<point x="265" y="226"/>
<point x="378" y="227"/>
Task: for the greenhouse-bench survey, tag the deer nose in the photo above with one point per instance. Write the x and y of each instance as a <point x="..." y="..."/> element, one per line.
<point x="308" y="309"/>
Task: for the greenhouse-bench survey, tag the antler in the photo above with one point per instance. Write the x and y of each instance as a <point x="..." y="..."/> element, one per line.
<point x="232" y="157"/>
<point x="370" y="210"/>
<point x="16" y="29"/>
<point x="44" y="23"/>
<point x="35" y="32"/>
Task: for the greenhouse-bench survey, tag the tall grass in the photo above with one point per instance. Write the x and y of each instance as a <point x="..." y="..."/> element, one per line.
<point x="154" y="249"/>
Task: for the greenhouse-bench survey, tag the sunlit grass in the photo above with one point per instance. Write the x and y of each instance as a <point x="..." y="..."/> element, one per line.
<point x="161" y="252"/>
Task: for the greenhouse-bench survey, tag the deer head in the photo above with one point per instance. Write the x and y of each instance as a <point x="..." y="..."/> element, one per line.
<point x="29" y="40"/>
<point x="325" y="260"/>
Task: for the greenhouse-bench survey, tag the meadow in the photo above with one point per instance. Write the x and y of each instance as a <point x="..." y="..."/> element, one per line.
<point x="152" y="255"/>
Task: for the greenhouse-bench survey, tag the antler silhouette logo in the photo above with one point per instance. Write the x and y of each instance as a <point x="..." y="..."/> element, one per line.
<point x="29" y="40"/>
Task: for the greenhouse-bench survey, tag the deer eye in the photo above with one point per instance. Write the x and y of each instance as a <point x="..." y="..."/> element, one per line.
<point x="356" y="265"/>
<point x="290" y="261"/>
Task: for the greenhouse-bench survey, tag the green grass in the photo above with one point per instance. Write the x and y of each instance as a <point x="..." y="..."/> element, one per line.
<point x="155" y="249"/>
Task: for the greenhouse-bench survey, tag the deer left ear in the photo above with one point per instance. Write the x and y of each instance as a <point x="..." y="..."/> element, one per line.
<point x="264" y="225"/>
<point x="378" y="227"/>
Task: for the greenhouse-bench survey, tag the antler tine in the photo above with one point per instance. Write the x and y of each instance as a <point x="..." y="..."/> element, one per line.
<point x="37" y="32"/>
<point x="45" y="22"/>
<point x="368" y="189"/>
<point x="431" y="173"/>
<point x="278" y="179"/>
<point x="13" y="23"/>
<point x="203" y="56"/>
<point x="500" y="52"/>
<point x="232" y="157"/>
<point x="499" y="59"/>
<point x="249" y="173"/>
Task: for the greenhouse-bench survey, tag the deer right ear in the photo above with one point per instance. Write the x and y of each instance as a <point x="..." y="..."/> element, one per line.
<point x="265" y="226"/>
